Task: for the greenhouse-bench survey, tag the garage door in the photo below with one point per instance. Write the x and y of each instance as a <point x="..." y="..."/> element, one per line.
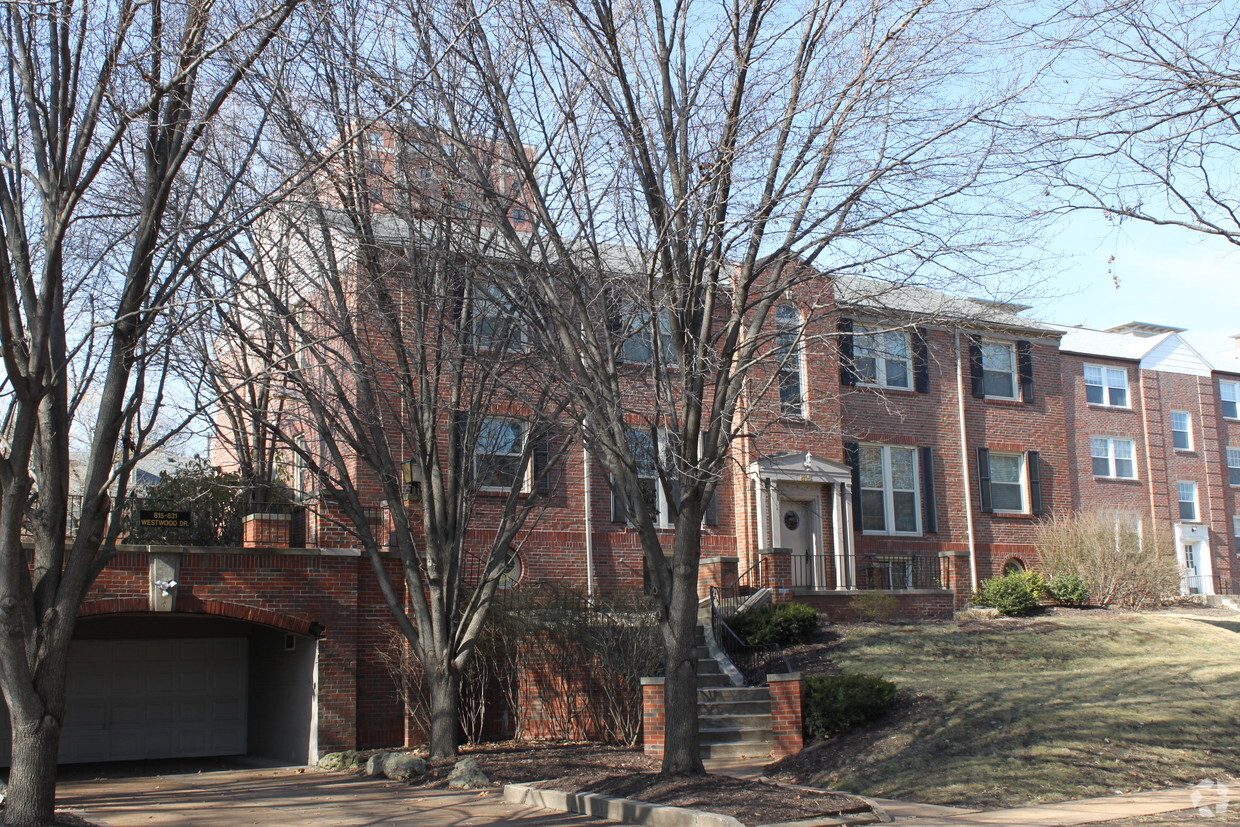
<point x="169" y="698"/>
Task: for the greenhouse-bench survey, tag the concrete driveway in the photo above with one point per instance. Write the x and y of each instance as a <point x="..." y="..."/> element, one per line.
<point x="289" y="796"/>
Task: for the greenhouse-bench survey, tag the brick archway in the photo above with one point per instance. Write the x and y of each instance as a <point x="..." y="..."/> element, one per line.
<point x="187" y="603"/>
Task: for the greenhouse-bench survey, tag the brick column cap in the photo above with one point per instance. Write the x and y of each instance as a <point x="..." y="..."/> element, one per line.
<point x="720" y="559"/>
<point x="249" y="518"/>
<point x="775" y="551"/>
<point x="653" y="681"/>
<point x="791" y="676"/>
<point x="953" y="554"/>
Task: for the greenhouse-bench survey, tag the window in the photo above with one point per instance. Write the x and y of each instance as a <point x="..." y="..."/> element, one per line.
<point x="1229" y="393"/>
<point x="1007" y="483"/>
<point x="645" y="449"/>
<point x="882" y="358"/>
<point x="999" y="369"/>
<point x="1014" y="566"/>
<point x="1188" y="500"/>
<point x="889" y="489"/>
<point x="500" y="453"/>
<point x="893" y="573"/>
<point x="788" y="353"/>
<point x="1233" y="466"/>
<point x="1181" y="431"/>
<point x="1235" y="527"/>
<point x="1106" y="386"/>
<point x="638" y="342"/>
<point x="493" y="324"/>
<point x="1112" y="457"/>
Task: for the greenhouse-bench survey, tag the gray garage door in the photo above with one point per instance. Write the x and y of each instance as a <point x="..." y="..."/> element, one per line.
<point x="170" y="698"/>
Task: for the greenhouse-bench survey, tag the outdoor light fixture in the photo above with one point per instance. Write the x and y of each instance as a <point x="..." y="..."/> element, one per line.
<point x="411" y="476"/>
<point x="316" y="629"/>
<point x="165" y="586"/>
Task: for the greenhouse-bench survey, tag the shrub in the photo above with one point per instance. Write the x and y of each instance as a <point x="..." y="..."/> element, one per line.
<point x="1012" y="594"/>
<point x="1068" y="589"/>
<point x="834" y="703"/>
<point x="1119" y="563"/>
<point x="875" y="606"/>
<point x="775" y="624"/>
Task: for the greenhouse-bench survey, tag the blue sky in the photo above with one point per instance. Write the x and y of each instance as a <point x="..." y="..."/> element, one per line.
<point x="1162" y="275"/>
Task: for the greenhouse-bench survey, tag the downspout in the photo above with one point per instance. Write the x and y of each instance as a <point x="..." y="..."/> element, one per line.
<point x="589" y="521"/>
<point x="964" y="465"/>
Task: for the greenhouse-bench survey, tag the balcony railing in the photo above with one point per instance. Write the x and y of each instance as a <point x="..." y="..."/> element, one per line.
<point x="887" y="572"/>
<point x="1205" y="584"/>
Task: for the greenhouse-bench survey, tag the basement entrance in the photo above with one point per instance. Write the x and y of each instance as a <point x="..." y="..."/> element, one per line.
<point x="185" y="686"/>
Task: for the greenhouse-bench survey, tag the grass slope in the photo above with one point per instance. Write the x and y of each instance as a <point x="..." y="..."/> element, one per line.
<point x="1005" y="714"/>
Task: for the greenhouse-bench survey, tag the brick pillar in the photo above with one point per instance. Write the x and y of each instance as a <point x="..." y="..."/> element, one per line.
<point x="716" y="571"/>
<point x="265" y="531"/>
<point x="653" y="722"/>
<point x="957" y="577"/>
<point x="786" y="733"/>
<point x="777" y="572"/>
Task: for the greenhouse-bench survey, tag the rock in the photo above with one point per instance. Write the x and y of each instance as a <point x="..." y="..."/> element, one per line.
<point x="977" y="613"/>
<point x="467" y="776"/>
<point x="374" y="766"/>
<point x="401" y="766"/>
<point x="346" y="760"/>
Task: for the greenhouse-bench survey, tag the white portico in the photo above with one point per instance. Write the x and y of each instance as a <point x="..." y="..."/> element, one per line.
<point x="790" y="489"/>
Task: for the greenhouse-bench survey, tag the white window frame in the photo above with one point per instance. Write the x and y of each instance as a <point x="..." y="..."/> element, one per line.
<point x="639" y="335"/>
<point x="1111" y="455"/>
<point x="1013" y="372"/>
<point x="790" y="358"/>
<point x="1187" y="430"/>
<point x="1105" y="375"/>
<point x="1195" y="500"/>
<point x="889" y="491"/>
<point x="1229" y="394"/>
<point x="662" y="519"/>
<point x="868" y="343"/>
<point x="489" y="302"/>
<point x="1233" y="465"/>
<point x="1022" y="464"/>
<point x="888" y="564"/>
<point x="1235" y="526"/>
<point x="478" y="452"/>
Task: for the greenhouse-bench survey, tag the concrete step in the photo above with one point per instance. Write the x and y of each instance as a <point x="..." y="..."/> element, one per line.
<point x="731" y="693"/>
<point x="750" y="749"/>
<point x="708" y="666"/>
<point x="756" y="721"/>
<point x="715" y="681"/>
<point x="754" y="707"/>
<point x="734" y="735"/>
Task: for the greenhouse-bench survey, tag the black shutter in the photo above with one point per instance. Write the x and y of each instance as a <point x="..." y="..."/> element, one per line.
<point x="848" y="371"/>
<point x="619" y="513"/>
<point x="1035" y="482"/>
<point x="460" y="432"/>
<point x="674" y="464"/>
<point x="1024" y="368"/>
<point x="852" y="458"/>
<point x="539" y="456"/>
<point x="983" y="479"/>
<point x="712" y="509"/>
<point x="921" y="361"/>
<point x="975" y="367"/>
<point x="929" y="510"/>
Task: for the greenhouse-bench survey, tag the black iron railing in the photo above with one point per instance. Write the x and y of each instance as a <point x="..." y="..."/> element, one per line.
<point x="1205" y="584"/>
<point x="898" y="572"/>
<point x="753" y="662"/>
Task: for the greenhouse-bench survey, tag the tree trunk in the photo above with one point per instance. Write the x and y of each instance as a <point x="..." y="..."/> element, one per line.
<point x="681" y="754"/>
<point x="443" y="683"/>
<point x="31" y="799"/>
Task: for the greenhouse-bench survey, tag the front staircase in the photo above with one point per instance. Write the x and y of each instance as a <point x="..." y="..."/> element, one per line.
<point x="733" y="721"/>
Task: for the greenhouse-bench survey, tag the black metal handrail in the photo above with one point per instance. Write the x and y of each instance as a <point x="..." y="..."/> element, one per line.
<point x="753" y="662"/>
<point x="1197" y="583"/>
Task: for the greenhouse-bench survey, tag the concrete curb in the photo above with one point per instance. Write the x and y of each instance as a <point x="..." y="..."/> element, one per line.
<point x="653" y="815"/>
<point x="615" y="809"/>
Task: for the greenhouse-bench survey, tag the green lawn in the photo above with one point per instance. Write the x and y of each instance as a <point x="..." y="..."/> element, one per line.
<point x="1003" y="714"/>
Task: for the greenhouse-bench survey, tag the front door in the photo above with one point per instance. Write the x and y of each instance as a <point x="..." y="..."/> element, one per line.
<point x="797" y="532"/>
<point x="1192" y="568"/>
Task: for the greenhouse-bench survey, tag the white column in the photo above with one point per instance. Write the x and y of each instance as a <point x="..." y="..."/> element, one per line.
<point x="837" y="533"/>
<point x="760" y="516"/>
<point x="850" y="552"/>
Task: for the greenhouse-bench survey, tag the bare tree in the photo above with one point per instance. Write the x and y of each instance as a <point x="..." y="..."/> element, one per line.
<point x="110" y="190"/>
<point x="372" y="307"/>
<point x="1153" y="135"/>
<point x="693" y="166"/>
